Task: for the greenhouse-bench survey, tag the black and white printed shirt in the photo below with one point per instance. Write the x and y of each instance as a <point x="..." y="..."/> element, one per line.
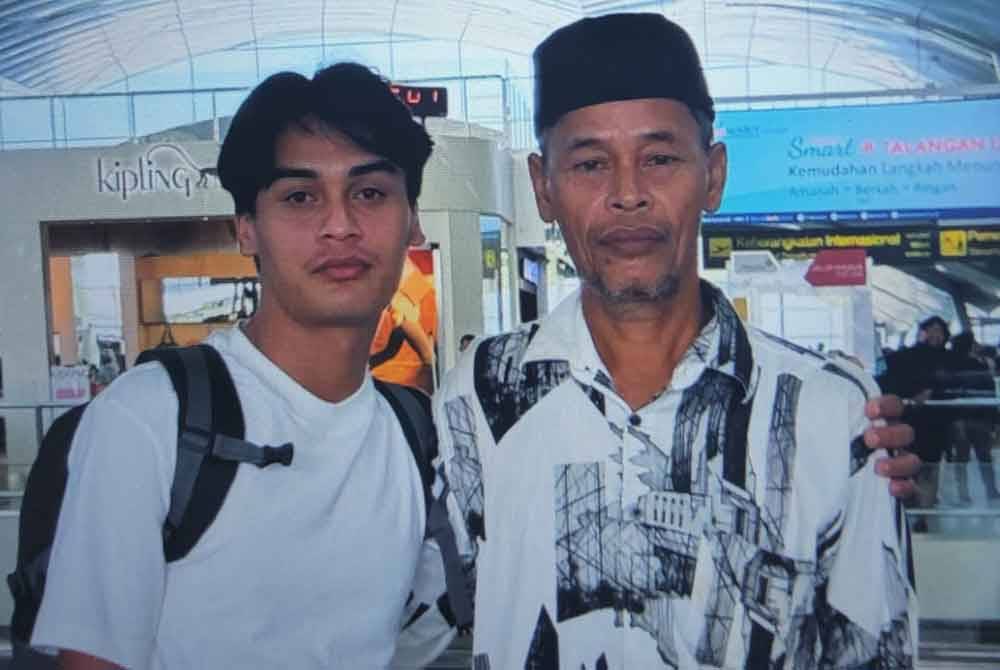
<point x="735" y="521"/>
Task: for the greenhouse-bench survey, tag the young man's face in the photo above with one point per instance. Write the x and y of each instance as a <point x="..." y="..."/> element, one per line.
<point x="331" y="231"/>
<point x="627" y="182"/>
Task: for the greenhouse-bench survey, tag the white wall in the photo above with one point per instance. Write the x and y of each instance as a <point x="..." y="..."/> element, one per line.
<point x="460" y="307"/>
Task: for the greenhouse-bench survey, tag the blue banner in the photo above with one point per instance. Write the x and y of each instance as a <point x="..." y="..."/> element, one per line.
<point x="922" y="161"/>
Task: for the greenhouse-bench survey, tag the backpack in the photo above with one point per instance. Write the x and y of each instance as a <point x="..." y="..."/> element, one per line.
<point x="210" y="448"/>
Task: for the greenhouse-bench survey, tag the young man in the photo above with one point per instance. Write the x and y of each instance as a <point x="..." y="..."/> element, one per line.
<point x="307" y="566"/>
<point x="639" y="481"/>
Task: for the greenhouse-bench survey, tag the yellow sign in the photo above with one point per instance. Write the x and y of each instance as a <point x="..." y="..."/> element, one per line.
<point x="490" y="259"/>
<point x="742" y="308"/>
<point x="720" y="247"/>
<point x="954" y="243"/>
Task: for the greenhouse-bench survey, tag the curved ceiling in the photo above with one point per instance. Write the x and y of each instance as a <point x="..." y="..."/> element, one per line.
<point x="74" y="46"/>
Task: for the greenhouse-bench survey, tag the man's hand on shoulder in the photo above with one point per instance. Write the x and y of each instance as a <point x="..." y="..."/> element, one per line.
<point x="887" y="431"/>
<point x="77" y="660"/>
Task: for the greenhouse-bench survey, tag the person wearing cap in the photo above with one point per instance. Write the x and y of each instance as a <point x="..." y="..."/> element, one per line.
<point x="639" y="480"/>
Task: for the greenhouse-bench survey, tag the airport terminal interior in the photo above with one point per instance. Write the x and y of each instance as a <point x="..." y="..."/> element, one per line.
<point x="864" y="148"/>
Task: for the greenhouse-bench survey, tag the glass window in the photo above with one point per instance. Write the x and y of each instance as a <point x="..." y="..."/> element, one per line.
<point x="27" y="122"/>
<point x="222" y="69"/>
<point x="158" y="112"/>
<point x="104" y="117"/>
<point x="304" y="59"/>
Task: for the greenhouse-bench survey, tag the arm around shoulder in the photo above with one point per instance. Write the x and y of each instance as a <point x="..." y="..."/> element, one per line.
<point x="76" y="660"/>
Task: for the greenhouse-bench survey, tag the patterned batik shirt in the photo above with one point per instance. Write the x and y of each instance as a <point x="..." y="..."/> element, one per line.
<point x="735" y="521"/>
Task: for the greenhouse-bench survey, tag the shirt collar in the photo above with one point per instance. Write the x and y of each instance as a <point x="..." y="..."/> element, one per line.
<point x="722" y="345"/>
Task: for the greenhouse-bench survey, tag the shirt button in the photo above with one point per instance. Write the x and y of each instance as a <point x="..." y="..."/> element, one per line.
<point x="635" y="420"/>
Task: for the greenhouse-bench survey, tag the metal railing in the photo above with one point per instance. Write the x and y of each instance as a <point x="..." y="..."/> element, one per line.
<point x="39" y="409"/>
<point x="14" y="472"/>
<point x="94" y="119"/>
<point x="501" y="103"/>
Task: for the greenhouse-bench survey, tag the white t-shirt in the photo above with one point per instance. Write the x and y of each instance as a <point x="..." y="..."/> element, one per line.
<point x="732" y="522"/>
<point x="305" y="566"/>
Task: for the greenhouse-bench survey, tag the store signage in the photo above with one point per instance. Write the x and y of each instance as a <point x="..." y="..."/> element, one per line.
<point x="890" y="246"/>
<point x="838" y="267"/>
<point x="969" y="243"/>
<point x="861" y="165"/>
<point x="491" y="254"/>
<point x="162" y="168"/>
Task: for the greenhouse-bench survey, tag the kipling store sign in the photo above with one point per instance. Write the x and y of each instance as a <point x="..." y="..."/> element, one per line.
<point x="163" y="168"/>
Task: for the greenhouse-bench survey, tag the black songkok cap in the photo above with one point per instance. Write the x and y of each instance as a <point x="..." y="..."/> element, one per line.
<point x="616" y="57"/>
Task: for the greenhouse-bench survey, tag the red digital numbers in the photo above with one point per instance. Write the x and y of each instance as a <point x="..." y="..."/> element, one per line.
<point x="423" y="100"/>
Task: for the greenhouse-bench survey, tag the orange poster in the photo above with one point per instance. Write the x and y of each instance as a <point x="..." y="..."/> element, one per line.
<point x="405" y="340"/>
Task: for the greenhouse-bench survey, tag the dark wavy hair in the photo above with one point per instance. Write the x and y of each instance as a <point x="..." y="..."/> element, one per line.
<point x="348" y="98"/>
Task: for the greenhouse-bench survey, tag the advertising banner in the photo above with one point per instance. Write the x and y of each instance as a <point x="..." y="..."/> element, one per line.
<point x="403" y="349"/>
<point x="857" y="165"/>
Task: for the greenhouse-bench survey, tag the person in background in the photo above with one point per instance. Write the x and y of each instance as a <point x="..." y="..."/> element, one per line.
<point x="915" y="373"/>
<point x="972" y="430"/>
<point x="465" y="341"/>
<point x="638" y="480"/>
<point x="106" y="372"/>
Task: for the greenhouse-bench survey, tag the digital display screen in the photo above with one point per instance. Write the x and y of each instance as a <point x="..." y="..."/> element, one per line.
<point x="423" y="100"/>
<point x="531" y="271"/>
<point x="922" y="161"/>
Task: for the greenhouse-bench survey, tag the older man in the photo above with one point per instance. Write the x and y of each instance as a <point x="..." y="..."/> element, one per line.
<point x="639" y="481"/>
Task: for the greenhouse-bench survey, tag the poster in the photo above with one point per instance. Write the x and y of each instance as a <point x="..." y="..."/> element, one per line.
<point x="403" y="349"/>
<point x="70" y="383"/>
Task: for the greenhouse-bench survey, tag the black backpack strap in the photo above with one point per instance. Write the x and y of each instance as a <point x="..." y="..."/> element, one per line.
<point x="412" y="408"/>
<point x="210" y="443"/>
<point x="43" y="496"/>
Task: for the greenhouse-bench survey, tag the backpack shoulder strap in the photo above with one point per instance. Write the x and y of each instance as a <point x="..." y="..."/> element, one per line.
<point x="412" y="408"/>
<point x="207" y="405"/>
<point x="46" y="484"/>
<point x="43" y="496"/>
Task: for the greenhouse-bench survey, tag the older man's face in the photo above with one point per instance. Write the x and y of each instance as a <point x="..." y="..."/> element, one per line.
<point x="627" y="182"/>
